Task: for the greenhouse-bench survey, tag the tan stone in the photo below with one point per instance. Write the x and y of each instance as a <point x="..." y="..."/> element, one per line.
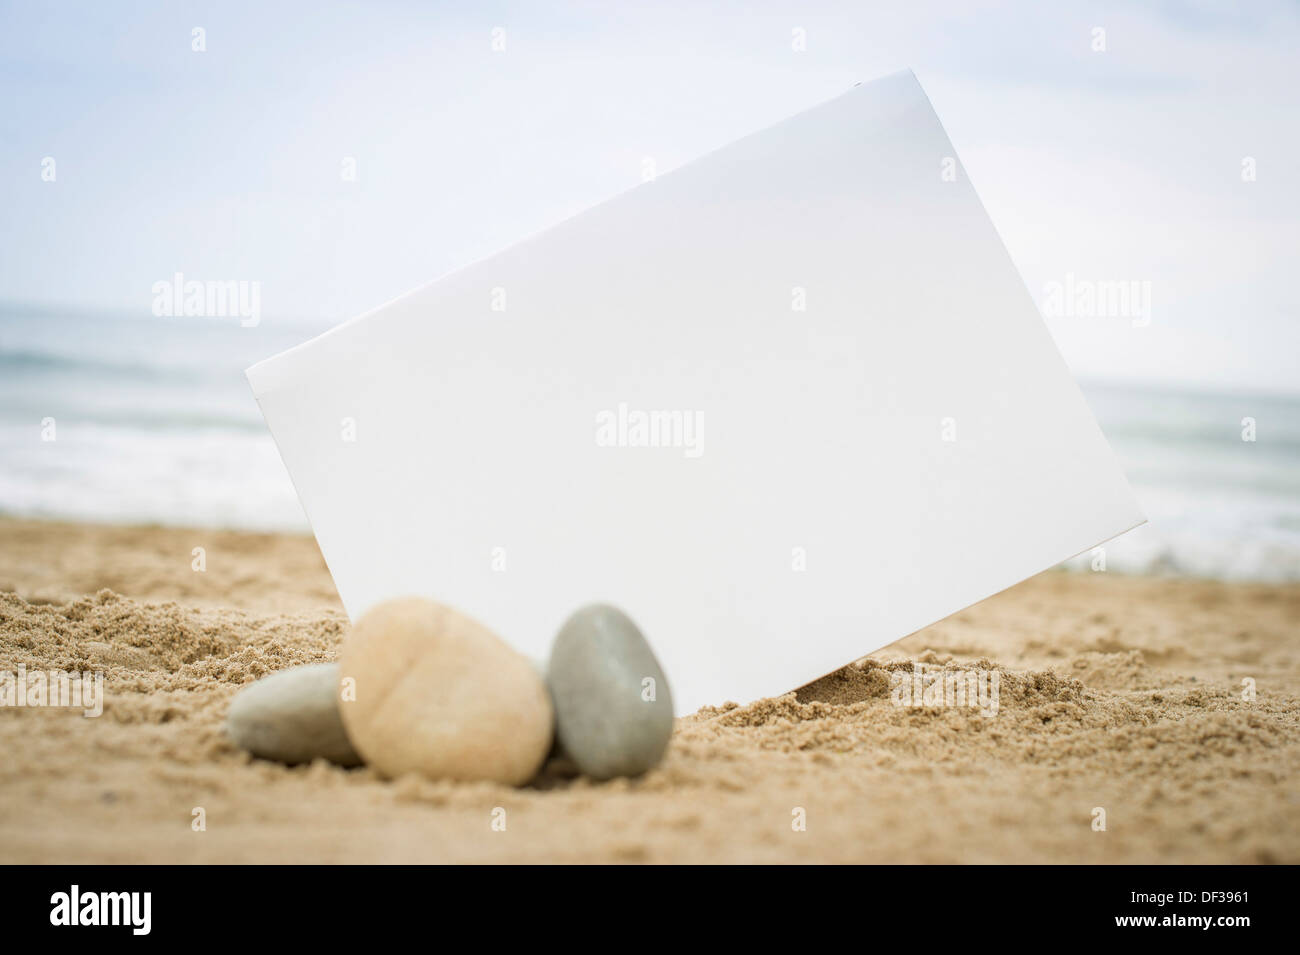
<point x="439" y="694"/>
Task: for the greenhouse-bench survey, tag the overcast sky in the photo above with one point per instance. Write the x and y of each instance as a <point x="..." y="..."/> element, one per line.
<point x="1122" y="164"/>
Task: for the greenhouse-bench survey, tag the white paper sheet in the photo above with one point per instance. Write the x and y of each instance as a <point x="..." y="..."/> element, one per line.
<point x="830" y="478"/>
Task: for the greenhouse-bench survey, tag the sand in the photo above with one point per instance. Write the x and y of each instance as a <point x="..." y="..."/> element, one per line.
<point x="1115" y="693"/>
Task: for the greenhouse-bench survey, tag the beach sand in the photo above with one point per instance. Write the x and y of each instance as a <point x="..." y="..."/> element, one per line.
<point x="1116" y="693"/>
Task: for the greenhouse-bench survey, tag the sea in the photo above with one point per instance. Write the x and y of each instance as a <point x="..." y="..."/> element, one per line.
<point x="124" y="418"/>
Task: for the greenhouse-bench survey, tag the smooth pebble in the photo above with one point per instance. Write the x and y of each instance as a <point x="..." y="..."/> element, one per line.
<point x="292" y="716"/>
<point x="613" y="707"/>
<point x="439" y="694"/>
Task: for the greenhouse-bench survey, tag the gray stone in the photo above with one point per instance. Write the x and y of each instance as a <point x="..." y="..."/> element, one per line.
<point x="292" y="716"/>
<point x="605" y="720"/>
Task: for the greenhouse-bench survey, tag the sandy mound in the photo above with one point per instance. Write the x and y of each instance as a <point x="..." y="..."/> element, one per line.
<point x="1184" y="767"/>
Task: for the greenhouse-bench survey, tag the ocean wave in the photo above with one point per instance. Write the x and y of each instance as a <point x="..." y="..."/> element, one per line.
<point x="1202" y="436"/>
<point x="45" y="362"/>
<point x="155" y="421"/>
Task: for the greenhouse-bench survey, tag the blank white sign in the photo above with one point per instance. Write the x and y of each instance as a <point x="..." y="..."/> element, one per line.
<point x="784" y="406"/>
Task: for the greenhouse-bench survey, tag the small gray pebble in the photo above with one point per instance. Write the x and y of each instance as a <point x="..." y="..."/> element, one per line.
<point x="597" y="676"/>
<point x="293" y="717"/>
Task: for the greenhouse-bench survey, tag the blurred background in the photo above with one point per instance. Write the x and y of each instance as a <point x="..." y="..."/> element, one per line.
<point x="339" y="154"/>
